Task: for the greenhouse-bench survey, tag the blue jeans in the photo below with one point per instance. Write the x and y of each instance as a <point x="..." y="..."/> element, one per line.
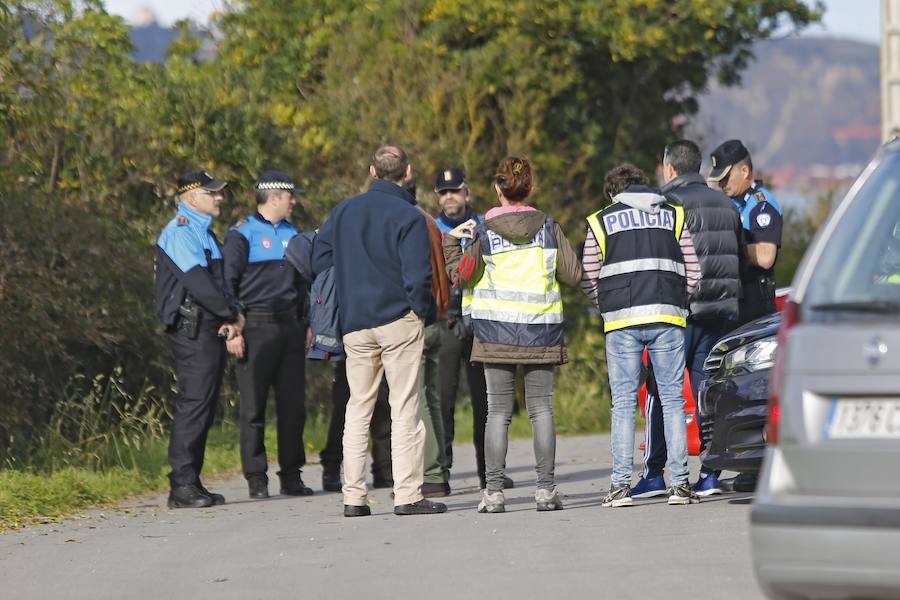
<point x="699" y="338"/>
<point x="624" y="348"/>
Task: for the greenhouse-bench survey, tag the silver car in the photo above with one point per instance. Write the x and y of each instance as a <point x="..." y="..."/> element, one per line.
<point x="826" y="519"/>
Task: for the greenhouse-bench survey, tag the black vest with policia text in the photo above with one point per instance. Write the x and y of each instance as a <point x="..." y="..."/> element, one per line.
<point x="642" y="280"/>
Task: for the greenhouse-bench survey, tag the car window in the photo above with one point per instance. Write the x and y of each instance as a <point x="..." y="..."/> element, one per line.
<point x="858" y="273"/>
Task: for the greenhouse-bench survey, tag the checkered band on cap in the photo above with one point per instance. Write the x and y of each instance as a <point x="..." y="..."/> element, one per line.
<point x="275" y="185"/>
<point x="186" y="188"/>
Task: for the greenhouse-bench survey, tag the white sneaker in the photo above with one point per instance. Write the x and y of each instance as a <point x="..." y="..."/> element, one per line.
<point x="548" y="499"/>
<point x="492" y="502"/>
<point x="681" y="493"/>
<point x="619" y="495"/>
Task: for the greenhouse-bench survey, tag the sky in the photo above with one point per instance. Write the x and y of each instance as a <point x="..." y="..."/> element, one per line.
<point x="856" y="19"/>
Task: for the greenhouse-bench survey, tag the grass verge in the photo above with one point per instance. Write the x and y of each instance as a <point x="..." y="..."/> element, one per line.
<point x="31" y="495"/>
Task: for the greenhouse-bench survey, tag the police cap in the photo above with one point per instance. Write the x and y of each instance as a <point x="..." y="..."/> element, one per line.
<point x="726" y="156"/>
<point x="199" y="179"/>
<point x="277" y="180"/>
<point x="450" y="179"/>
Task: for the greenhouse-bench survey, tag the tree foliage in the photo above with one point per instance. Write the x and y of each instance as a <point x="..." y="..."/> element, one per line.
<point x="92" y="141"/>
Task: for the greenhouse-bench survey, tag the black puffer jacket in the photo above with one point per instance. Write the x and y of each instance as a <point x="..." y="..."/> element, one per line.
<point x="716" y="229"/>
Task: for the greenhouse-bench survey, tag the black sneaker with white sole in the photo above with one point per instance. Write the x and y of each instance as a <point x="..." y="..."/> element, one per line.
<point x="619" y="495"/>
<point x="681" y="493"/>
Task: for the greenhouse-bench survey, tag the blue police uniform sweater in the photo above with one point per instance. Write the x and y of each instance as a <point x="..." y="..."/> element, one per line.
<point x="255" y="266"/>
<point x="189" y="261"/>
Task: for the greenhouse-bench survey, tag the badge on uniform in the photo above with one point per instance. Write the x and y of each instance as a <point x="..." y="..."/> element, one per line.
<point x="182" y="220"/>
<point x="448" y="176"/>
<point x="763" y="219"/>
<point x="266" y="243"/>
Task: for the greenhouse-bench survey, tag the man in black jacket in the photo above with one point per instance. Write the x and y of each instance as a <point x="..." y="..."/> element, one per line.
<point x="378" y="244"/>
<point x="715" y="227"/>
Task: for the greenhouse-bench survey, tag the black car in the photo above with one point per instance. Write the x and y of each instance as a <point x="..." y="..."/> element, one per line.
<point x="733" y="401"/>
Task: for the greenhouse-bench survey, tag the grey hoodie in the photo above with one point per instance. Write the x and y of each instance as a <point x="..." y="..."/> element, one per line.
<point x="649" y="202"/>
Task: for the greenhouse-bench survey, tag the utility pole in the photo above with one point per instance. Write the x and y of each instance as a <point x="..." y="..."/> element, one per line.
<point x="890" y="69"/>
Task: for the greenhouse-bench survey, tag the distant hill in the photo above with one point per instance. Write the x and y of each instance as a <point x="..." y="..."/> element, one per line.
<point x="805" y="104"/>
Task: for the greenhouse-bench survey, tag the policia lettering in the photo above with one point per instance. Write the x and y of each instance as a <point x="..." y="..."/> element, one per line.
<point x="642" y="279"/>
<point x="633" y="218"/>
<point x="517" y="301"/>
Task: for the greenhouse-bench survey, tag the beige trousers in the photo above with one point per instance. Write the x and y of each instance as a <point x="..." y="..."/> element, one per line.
<point x="395" y="351"/>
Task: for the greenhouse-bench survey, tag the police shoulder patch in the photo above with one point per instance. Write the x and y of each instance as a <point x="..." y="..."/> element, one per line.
<point x="763" y="219"/>
<point x="181" y="220"/>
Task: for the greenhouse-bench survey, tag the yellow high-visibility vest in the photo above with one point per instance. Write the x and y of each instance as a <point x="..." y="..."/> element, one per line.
<point x="518" y="287"/>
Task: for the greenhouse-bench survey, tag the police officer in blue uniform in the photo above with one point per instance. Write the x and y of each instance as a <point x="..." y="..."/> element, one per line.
<point x="732" y="169"/>
<point x="196" y="309"/>
<point x="271" y="351"/>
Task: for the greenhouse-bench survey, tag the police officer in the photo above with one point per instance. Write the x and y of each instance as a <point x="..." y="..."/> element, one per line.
<point x="761" y="218"/>
<point x="456" y="343"/>
<point x="271" y="351"/>
<point x="195" y="308"/>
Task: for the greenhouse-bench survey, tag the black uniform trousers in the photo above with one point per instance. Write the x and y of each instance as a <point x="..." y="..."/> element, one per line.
<point x="758" y="298"/>
<point x="199" y="365"/>
<point x="275" y="357"/>
<point x="380" y="427"/>
<point x="454" y="352"/>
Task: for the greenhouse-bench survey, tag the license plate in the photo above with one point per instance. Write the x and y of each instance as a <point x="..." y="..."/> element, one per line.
<point x="863" y="419"/>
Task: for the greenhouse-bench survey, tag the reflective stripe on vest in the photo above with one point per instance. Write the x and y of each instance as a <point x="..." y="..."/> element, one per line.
<point x="467" y="302"/>
<point x="642" y="264"/>
<point x="519" y="286"/>
<point x="643" y="314"/>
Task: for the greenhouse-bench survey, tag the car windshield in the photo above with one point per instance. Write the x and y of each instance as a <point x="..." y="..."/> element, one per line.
<point x="858" y="274"/>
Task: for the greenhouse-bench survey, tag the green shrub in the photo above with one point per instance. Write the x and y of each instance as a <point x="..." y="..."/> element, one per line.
<point x="582" y="400"/>
<point x="76" y="300"/>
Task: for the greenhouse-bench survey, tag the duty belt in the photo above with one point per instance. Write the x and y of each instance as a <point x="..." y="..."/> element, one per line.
<point x="268" y="316"/>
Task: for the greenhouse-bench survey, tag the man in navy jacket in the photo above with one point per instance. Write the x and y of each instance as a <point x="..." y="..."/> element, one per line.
<point x="379" y="247"/>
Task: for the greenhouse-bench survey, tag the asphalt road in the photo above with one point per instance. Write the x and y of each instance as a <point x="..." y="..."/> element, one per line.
<point x="304" y="547"/>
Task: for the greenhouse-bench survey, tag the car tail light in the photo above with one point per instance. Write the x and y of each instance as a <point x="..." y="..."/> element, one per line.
<point x="781" y="297"/>
<point x="789" y="318"/>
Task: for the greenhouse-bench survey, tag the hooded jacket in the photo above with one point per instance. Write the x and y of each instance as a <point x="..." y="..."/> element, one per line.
<point x="466" y="267"/>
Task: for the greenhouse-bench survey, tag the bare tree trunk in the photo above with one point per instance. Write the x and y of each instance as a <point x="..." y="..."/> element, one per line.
<point x="54" y="165"/>
<point x="82" y="177"/>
